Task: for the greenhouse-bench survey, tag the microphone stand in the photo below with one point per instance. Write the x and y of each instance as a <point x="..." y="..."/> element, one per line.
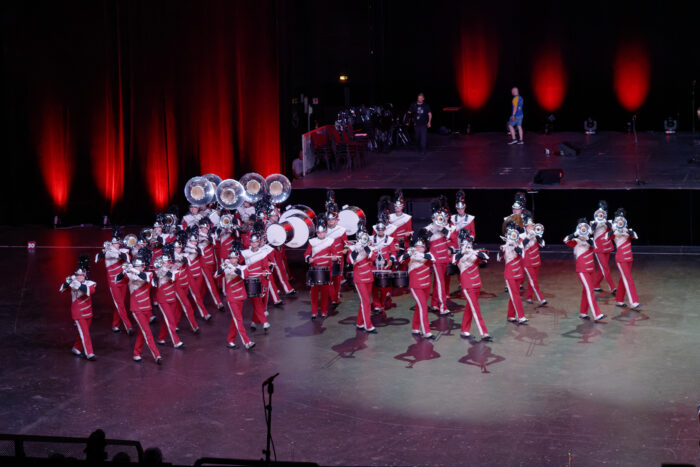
<point x="692" y="103"/>
<point x="268" y="415"/>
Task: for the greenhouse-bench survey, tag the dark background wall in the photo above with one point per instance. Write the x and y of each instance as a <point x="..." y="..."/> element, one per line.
<point x="109" y="107"/>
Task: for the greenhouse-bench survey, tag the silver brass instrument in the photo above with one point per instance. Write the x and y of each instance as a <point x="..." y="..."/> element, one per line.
<point x="146" y="234"/>
<point x="539" y="230"/>
<point x="440" y="219"/>
<point x="278" y="187"/>
<point x="226" y="221"/>
<point x="620" y="223"/>
<point x="199" y="191"/>
<point x="130" y="240"/>
<point x="213" y="178"/>
<point x="230" y="194"/>
<point x="170" y="220"/>
<point x="254" y="187"/>
<point x="158" y="263"/>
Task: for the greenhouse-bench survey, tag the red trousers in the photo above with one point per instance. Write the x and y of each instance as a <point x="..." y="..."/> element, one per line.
<point x="83" y="342"/>
<point x="273" y="290"/>
<point x="196" y="288"/>
<point x="603" y="271"/>
<point x="364" y="313"/>
<point x="281" y="274"/>
<point x="325" y="291"/>
<point x="533" y="283"/>
<point x="208" y="277"/>
<point x="626" y="284"/>
<point x="118" y="293"/>
<point x="380" y="296"/>
<point x="473" y="310"/>
<point x="515" y="304"/>
<point x="420" y="313"/>
<point x="186" y="306"/>
<point x="335" y="292"/>
<point x="169" y="323"/>
<point x="260" y="305"/>
<point x="439" y="297"/>
<point x="588" y="295"/>
<point x="144" y="335"/>
<point x="236" y="327"/>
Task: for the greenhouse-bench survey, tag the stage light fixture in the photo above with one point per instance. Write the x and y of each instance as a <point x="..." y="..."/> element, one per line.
<point x="343" y="78"/>
<point x="670" y="125"/>
<point x="549" y="124"/>
<point x="56" y="221"/>
<point x="590" y="126"/>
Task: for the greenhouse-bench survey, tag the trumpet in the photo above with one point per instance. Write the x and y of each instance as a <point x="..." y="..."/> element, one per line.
<point x="130" y="240"/>
<point x="227" y="221"/>
<point x="146" y="234"/>
<point x="170" y="220"/>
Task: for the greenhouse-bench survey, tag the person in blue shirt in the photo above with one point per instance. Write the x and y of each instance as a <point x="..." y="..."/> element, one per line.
<point x="516" y="118"/>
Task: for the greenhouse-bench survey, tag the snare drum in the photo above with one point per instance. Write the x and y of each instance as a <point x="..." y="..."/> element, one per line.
<point x="452" y="269"/>
<point x="349" y="217"/>
<point x="280" y="233"/>
<point x="253" y="287"/>
<point x="383" y="279"/>
<point x="318" y="275"/>
<point x="400" y="278"/>
<point x="337" y="269"/>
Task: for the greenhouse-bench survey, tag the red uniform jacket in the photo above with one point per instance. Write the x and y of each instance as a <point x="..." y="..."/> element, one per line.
<point x="81" y="306"/>
<point x="234" y="283"/>
<point x="623" y="243"/>
<point x="583" y="252"/>
<point x="140" y="290"/>
<point x="386" y="247"/>
<point x="362" y="265"/>
<point x="403" y="226"/>
<point x="321" y="251"/>
<point x="465" y="222"/>
<point x="601" y="240"/>
<point x="469" y="276"/>
<point x="439" y="244"/>
<point x="419" y="271"/>
<point x="165" y="291"/>
<point x="257" y="263"/>
<point x="531" y="255"/>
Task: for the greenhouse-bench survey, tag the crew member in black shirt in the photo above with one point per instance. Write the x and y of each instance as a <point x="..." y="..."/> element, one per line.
<point x="420" y="112"/>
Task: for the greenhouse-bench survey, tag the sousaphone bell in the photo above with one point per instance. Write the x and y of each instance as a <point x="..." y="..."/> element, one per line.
<point x="254" y="187"/>
<point x="278" y="187"/>
<point x="199" y="191"/>
<point x="230" y="194"/>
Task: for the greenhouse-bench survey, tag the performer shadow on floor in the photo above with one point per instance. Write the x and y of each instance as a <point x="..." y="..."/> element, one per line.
<point x="530" y="335"/>
<point x="586" y="332"/>
<point x="421" y="351"/>
<point x="444" y="324"/>
<point x="480" y="355"/>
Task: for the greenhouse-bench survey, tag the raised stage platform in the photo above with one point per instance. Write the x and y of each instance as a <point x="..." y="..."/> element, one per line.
<point x="623" y="392"/>
<point x="608" y="160"/>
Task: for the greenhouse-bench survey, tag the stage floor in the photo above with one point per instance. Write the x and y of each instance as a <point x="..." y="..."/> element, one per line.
<point x="622" y="392"/>
<point x="608" y="160"/>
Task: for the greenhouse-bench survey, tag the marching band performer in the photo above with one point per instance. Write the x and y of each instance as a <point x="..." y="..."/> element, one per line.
<point x="603" y="246"/>
<point x="468" y="259"/>
<point x="247" y="215"/>
<point x="280" y="258"/>
<point x="582" y="244"/>
<point x="511" y="252"/>
<point x="460" y="221"/>
<point x="258" y="265"/>
<point x="115" y="256"/>
<point x="439" y="229"/>
<point x="195" y="274"/>
<point x="401" y="222"/>
<point x="419" y="259"/>
<point x="321" y="252"/>
<point x="192" y="217"/>
<point x="383" y="244"/>
<point x="361" y="256"/>
<point x="208" y="261"/>
<point x="164" y="280"/>
<point x="182" y="287"/>
<point x="234" y="274"/>
<point x="81" y="290"/>
<point x="532" y="242"/>
<point x="623" y="236"/>
<point x="340" y="237"/>
<point x="140" y="303"/>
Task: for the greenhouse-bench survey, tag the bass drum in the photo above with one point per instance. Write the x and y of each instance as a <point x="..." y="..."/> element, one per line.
<point x="349" y="218"/>
<point x="279" y="234"/>
<point x="303" y="228"/>
<point x="297" y="209"/>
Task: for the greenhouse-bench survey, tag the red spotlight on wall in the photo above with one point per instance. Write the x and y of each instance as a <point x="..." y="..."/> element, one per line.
<point x="161" y="157"/>
<point x="56" y="151"/>
<point x="107" y="151"/>
<point x="632" y="75"/>
<point x="476" y="66"/>
<point x="549" y="79"/>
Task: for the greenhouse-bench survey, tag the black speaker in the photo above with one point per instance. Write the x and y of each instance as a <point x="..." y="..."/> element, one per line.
<point x="567" y="149"/>
<point x="548" y="176"/>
